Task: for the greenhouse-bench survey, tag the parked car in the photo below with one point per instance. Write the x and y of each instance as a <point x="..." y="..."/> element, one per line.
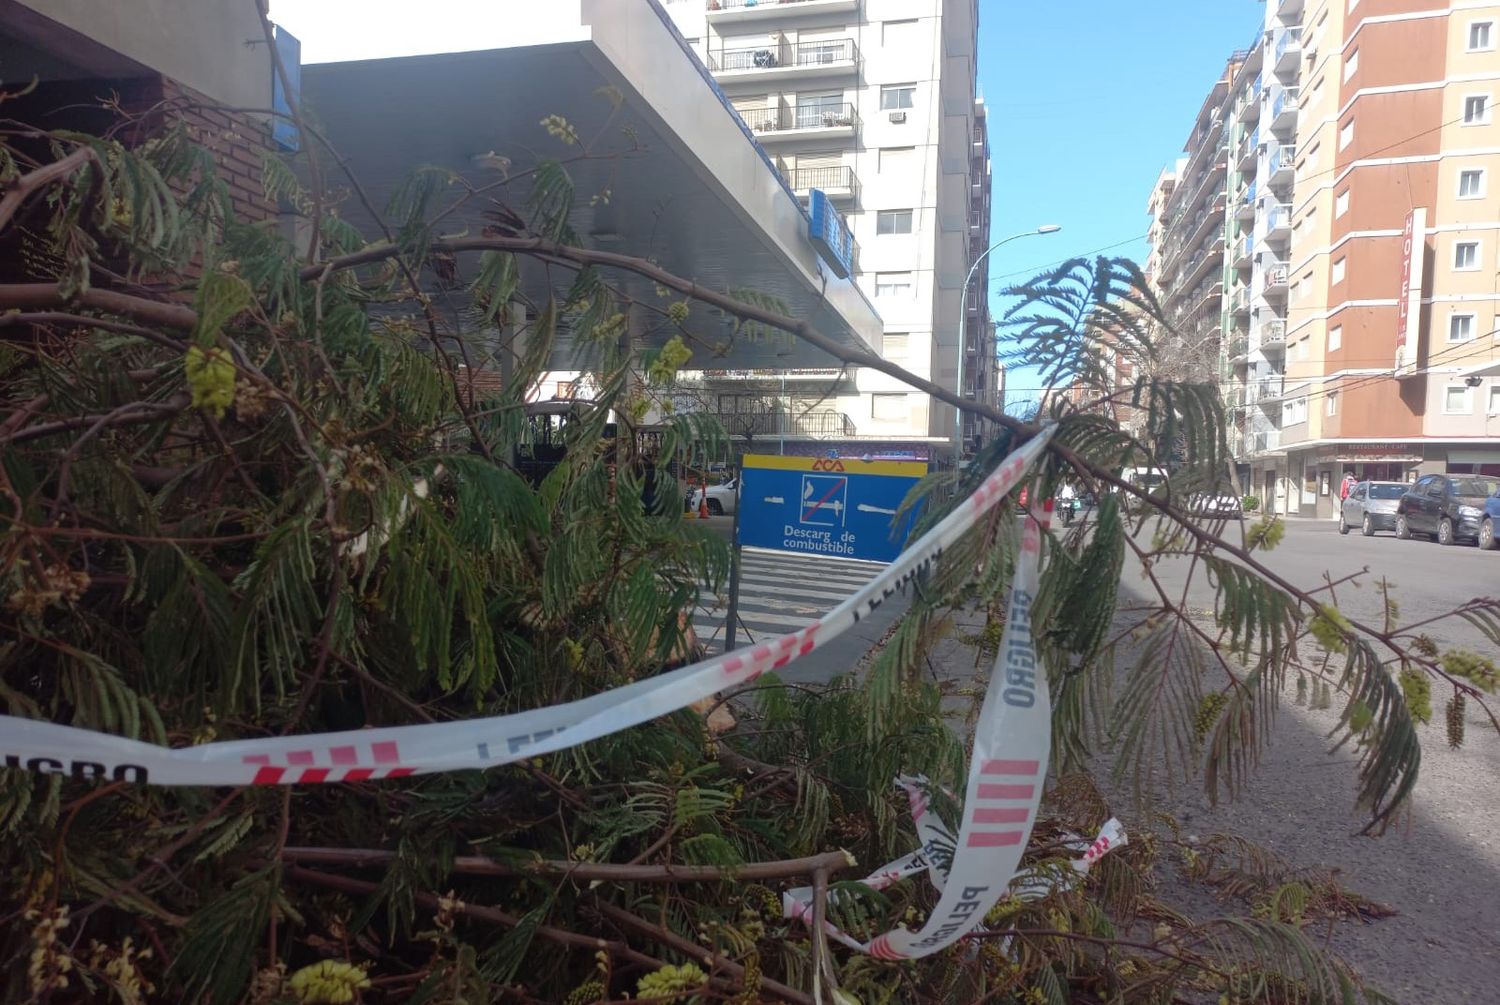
<point x="1448" y="508"/>
<point x="1490" y="522"/>
<point x="720" y="497"/>
<point x="1371" y="506"/>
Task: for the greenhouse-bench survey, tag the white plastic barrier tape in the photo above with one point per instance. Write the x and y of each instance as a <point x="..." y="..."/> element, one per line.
<point x="1033" y="884"/>
<point x="1012" y="739"/>
<point x="397" y="751"/>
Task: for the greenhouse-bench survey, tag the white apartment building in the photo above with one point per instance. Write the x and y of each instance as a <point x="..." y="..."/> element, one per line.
<point x="873" y="103"/>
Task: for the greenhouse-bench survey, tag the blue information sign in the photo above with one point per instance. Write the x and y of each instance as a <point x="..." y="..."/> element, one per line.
<point x="840" y="507"/>
<point x="830" y="234"/>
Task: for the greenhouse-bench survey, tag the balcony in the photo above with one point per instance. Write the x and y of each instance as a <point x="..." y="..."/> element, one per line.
<point x="1268" y="391"/>
<point x="766" y="419"/>
<point x="1240" y="302"/>
<point x="1281" y="167"/>
<point x="1244" y="252"/>
<point x="1246" y="208"/>
<point x="802" y="122"/>
<point x="1284" y="109"/>
<point x="1277" y="278"/>
<point x="1288" y="51"/>
<point x="1234" y="396"/>
<point x="1273" y="335"/>
<point x="1251" y="111"/>
<point x="1289" y="10"/>
<point x="1278" y="222"/>
<point x="1249" y="151"/>
<point x="1263" y="441"/>
<point x="838" y="183"/>
<point x="1237" y="350"/>
<point x="825" y="58"/>
<point x="730" y="11"/>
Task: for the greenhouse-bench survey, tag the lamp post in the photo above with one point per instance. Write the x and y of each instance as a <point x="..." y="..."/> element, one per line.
<point x="963" y="311"/>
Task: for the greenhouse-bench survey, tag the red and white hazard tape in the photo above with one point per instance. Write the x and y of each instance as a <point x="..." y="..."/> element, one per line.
<point x="1012" y="739"/>
<point x="396" y="751"/>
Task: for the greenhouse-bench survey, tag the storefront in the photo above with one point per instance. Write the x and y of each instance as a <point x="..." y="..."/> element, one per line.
<point x="1313" y="475"/>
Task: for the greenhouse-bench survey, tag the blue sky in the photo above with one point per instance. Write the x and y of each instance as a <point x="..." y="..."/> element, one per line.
<point x="1089" y="100"/>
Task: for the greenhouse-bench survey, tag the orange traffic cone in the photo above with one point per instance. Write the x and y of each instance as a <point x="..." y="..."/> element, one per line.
<point x="703" y="499"/>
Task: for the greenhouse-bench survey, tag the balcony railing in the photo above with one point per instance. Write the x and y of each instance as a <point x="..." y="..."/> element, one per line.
<point x="1282" y="159"/>
<point x="1272" y="332"/>
<point x="1288" y="39"/>
<point x="832" y="180"/>
<point x="787" y="118"/>
<point x="1277" y="276"/>
<point x="717" y="5"/>
<point x="1286" y="101"/>
<point x="805" y="55"/>
<point x="817" y="424"/>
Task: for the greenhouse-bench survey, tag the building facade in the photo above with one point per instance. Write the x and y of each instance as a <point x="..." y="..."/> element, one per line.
<point x="872" y="102"/>
<point x="1360" y="321"/>
<point x="1392" y="363"/>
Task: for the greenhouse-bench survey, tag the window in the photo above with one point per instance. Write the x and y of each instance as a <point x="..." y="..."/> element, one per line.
<point x="1288" y="414"/>
<point x="1316" y="89"/>
<point x="1471" y="183"/>
<point x="1493" y="408"/>
<point x="1456" y="400"/>
<point x="1353" y="4"/>
<point x="1460" y="327"/>
<point x="888" y="407"/>
<point x="1337" y="275"/>
<point x="897" y="159"/>
<point x="893" y="284"/>
<point x="1311" y="158"/>
<point x="1351" y="64"/>
<point x="1477" y="110"/>
<point x="1346" y="134"/>
<point x="1481" y="36"/>
<point x="893" y="221"/>
<point x="1466" y="256"/>
<point x="895" y="345"/>
<point x="897" y="96"/>
<point x="567" y="389"/>
<point x="899" y="34"/>
<point x="1341" y="203"/>
<point x="1335" y="338"/>
<point x="1331" y="403"/>
<point x="822" y="110"/>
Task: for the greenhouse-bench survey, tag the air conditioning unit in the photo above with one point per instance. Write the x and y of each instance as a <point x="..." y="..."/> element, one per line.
<point x="898" y="116"/>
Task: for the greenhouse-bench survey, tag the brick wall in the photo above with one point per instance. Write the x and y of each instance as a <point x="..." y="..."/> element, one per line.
<point x="238" y="141"/>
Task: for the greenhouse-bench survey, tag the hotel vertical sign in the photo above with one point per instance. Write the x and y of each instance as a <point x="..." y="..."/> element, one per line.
<point x="1409" y="302"/>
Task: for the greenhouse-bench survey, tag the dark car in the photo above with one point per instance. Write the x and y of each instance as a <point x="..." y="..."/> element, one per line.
<point x="1449" y="508"/>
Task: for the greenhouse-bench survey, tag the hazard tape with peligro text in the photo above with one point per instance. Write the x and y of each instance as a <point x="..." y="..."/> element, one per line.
<point x="399" y="751"/>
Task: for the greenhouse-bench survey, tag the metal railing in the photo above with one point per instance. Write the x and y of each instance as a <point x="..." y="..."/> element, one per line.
<point x="828" y="52"/>
<point x="816" y="424"/>
<point x="1272" y="332"/>
<point x="805" y="179"/>
<point x="1278" y="216"/>
<point x="713" y="6"/>
<point x="789" y="117"/>
<point x="1277" y="275"/>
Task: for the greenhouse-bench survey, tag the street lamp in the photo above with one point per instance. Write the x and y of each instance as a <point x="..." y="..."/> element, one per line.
<point x="963" y="309"/>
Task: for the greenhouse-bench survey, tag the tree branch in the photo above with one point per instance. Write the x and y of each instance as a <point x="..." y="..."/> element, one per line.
<point x="479" y="865"/>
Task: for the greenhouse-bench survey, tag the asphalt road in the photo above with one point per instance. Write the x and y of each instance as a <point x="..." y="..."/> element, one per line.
<point x="1426" y="579"/>
<point x="1440" y="866"/>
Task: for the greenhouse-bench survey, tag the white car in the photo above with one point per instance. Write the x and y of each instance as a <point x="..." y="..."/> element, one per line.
<point x="720" y="498"/>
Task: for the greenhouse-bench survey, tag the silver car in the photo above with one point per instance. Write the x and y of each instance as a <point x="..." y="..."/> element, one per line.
<point x="1371" y="506"/>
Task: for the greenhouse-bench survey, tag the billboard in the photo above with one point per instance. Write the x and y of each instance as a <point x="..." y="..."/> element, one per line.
<point x="1409" y="295"/>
